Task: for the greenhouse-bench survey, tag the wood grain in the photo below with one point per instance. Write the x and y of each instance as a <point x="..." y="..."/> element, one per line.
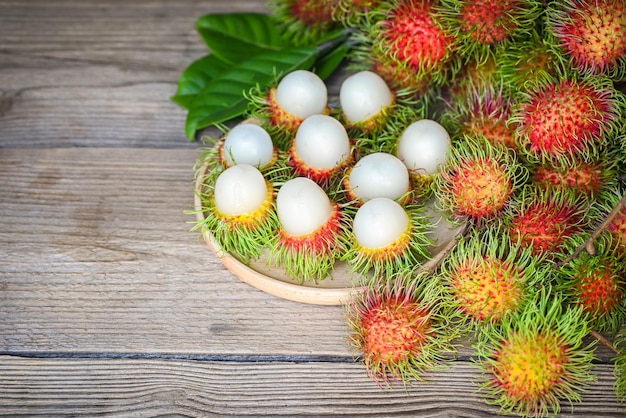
<point x="137" y="387"/>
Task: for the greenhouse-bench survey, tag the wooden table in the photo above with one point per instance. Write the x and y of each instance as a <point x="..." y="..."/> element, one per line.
<point x="109" y="305"/>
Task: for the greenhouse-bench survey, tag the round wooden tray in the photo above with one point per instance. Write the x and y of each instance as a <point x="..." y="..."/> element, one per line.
<point x="335" y="290"/>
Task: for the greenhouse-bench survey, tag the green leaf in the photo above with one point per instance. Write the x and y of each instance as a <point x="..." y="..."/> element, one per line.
<point x="196" y="77"/>
<point x="222" y="99"/>
<point x="234" y="37"/>
<point x="328" y="63"/>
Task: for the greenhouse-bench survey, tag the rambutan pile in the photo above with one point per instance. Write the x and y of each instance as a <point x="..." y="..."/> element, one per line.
<point x="508" y="117"/>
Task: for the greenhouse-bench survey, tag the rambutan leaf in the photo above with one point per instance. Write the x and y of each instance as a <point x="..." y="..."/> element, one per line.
<point x="195" y="77"/>
<point x="234" y="37"/>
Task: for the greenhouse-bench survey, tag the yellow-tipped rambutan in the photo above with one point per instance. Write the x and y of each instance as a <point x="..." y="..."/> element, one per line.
<point x="399" y="329"/>
<point x="479" y="180"/>
<point x="592" y="33"/>
<point x="491" y="276"/>
<point x="596" y="282"/>
<point x="536" y="359"/>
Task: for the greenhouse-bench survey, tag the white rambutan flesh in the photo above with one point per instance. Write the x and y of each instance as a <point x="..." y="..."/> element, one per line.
<point x="379" y="175"/>
<point x="302" y="93"/>
<point x="363" y="95"/>
<point x="302" y="206"/>
<point x="423" y="146"/>
<point x="322" y="142"/>
<point x="248" y="143"/>
<point x="240" y="189"/>
<point x="379" y="223"/>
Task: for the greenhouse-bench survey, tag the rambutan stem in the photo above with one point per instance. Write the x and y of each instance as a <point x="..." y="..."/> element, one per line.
<point x="603" y="340"/>
<point x="588" y="245"/>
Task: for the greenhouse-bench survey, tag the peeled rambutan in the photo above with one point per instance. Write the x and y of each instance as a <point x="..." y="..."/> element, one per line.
<point x="545" y="220"/>
<point x="482" y="24"/>
<point x="536" y="358"/>
<point x="479" y="179"/>
<point x="491" y="276"/>
<point x="388" y="238"/>
<point x="310" y="235"/>
<point x="238" y="209"/>
<point x="398" y="328"/>
<point x="592" y="33"/>
<point x="407" y="46"/>
<point x="566" y="118"/>
<point x="596" y="282"/>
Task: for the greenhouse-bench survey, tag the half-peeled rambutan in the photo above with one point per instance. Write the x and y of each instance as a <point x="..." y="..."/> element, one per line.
<point x="398" y="328"/>
<point x="537" y="358"/>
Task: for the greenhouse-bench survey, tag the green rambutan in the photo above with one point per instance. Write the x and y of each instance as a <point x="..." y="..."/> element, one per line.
<point x="545" y="220"/>
<point x="592" y="33"/>
<point x="491" y="276"/>
<point x="406" y="46"/>
<point x="480" y="25"/>
<point x="566" y="118"/>
<point x="399" y="329"/>
<point x="536" y="358"/>
<point x="479" y="179"/>
<point x="596" y="282"/>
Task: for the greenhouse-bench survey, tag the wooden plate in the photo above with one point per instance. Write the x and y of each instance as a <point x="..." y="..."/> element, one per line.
<point x="335" y="290"/>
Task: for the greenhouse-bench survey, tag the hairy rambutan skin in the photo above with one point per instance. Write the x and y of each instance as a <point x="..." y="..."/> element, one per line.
<point x="479" y="179"/>
<point x="545" y="220"/>
<point x="399" y="329"/>
<point x="491" y="276"/>
<point x="480" y="25"/>
<point x="592" y="33"/>
<point x="406" y="46"/>
<point x="566" y="118"/>
<point x="482" y="112"/>
<point x="536" y="358"/>
<point x="596" y="283"/>
<point x="305" y="21"/>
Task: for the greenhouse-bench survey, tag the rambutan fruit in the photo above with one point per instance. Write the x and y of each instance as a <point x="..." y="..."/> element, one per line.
<point x="304" y="22"/>
<point x="566" y="118"/>
<point x="587" y="178"/>
<point x="484" y="113"/>
<point x="239" y="211"/>
<point x="284" y="105"/>
<point x="491" y="276"/>
<point x="321" y="149"/>
<point x="407" y="47"/>
<point x="537" y="358"/>
<point x="480" y="25"/>
<point x="545" y="220"/>
<point x="388" y="238"/>
<point x="399" y="329"/>
<point x="311" y="232"/>
<point x="611" y="208"/>
<point x="592" y="33"/>
<point x="479" y="180"/>
<point x="596" y="282"/>
<point x="366" y="102"/>
<point x="247" y="143"/>
<point x="378" y="174"/>
<point x="351" y="13"/>
<point x="473" y="75"/>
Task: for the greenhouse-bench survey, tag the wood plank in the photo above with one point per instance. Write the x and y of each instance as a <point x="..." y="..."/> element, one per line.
<point x="98" y="73"/>
<point x="96" y="256"/>
<point x="142" y="387"/>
